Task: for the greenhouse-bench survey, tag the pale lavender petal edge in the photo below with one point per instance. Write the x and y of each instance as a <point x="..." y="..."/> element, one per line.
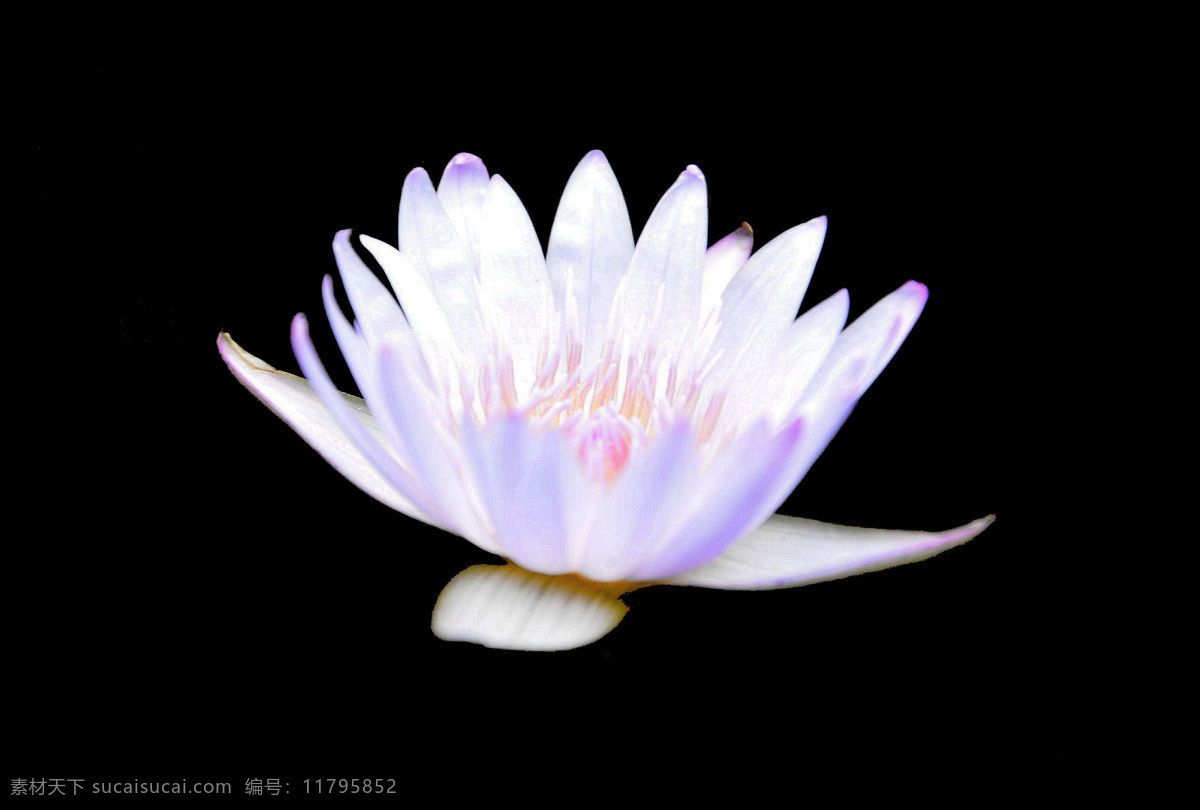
<point x="787" y="552"/>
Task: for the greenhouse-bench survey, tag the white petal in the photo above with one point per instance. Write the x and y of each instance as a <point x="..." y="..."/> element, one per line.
<point x="668" y="264"/>
<point x="852" y="365"/>
<point x="521" y="472"/>
<point x="510" y="608"/>
<point x="876" y="334"/>
<point x="431" y="330"/>
<point x="776" y="375"/>
<point x="591" y="244"/>
<point x="763" y="298"/>
<point x="512" y="274"/>
<point x="721" y="263"/>
<point x="461" y="191"/>
<point x="376" y="310"/>
<point x="729" y="500"/>
<point x="787" y="552"/>
<point x="643" y="506"/>
<point x="417" y="420"/>
<point x="430" y="241"/>
<point x="292" y="399"/>
<point x="365" y="437"/>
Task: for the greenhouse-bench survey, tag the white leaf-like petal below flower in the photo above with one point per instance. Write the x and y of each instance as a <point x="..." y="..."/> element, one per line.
<point x="786" y="552"/>
<point x="507" y="607"/>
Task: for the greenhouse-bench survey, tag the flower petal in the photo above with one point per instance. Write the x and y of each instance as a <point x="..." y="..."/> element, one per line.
<point x="861" y="352"/>
<point x="293" y="399"/>
<point x="512" y="279"/>
<point x="727" y="501"/>
<point x="591" y="244"/>
<point x="641" y="509"/>
<point x="877" y="334"/>
<point x="431" y="330"/>
<point x="461" y="191"/>
<point x="786" y="552"/>
<point x="778" y="374"/>
<point x="667" y="269"/>
<point x="416" y="419"/>
<point x="367" y="441"/>
<point x="510" y="608"/>
<point x="763" y="298"/>
<point x="523" y="479"/>
<point x="721" y="263"/>
<point x="429" y="239"/>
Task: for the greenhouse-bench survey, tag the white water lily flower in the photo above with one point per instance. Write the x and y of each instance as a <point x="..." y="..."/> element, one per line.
<point x="606" y="416"/>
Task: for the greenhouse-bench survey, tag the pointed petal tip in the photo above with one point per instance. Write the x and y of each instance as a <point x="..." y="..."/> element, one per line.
<point x="745" y="226"/>
<point x="916" y="289"/>
<point x="465" y="159"/>
<point x="596" y="156"/>
<point x="417" y="174"/>
<point x="694" y="171"/>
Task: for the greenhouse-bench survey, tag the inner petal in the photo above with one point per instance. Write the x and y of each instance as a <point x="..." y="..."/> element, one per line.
<point x="604" y="441"/>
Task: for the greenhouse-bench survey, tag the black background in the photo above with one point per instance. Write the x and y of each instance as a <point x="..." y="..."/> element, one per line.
<point x="202" y="594"/>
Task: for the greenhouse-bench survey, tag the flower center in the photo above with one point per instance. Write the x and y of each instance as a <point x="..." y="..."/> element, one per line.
<point x="609" y="409"/>
<point x="604" y="440"/>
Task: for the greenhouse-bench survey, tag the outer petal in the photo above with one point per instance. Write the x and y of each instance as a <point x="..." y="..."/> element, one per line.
<point x="461" y="190"/>
<point x="522" y="474"/>
<point x="512" y="275"/>
<point x="786" y="552"/>
<point x="415" y="420"/>
<point x="876" y="335"/>
<point x="429" y="239"/>
<point x="763" y="298"/>
<point x="430" y="328"/>
<point x="513" y="609"/>
<point x="721" y="263"/>
<point x="780" y="376"/>
<point x="861" y="352"/>
<point x="642" y="508"/>
<point x="667" y="269"/>
<point x="728" y="501"/>
<point x="295" y="401"/>
<point x="363" y="437"/>
<point x="591" y="244"/>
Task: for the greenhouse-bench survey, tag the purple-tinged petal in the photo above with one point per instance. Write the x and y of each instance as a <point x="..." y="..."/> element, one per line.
<point x="772" y="378"/>
<point x="641" y="508"/>
<point x="663" y="287"/>
<point x="363" y="438"/>
<point x="786" y="552"/>
<point x="417" y="420"/>
<point x="730" y="499"/>
<point x="520" y="471"/>
<point x="512" y="280"/>
<point x="762" y="299"/>
<point x="721" y="263"/>
<point x="461" y="191"/>
<point x="430" y="241"/>
<point x="591" y="244"/>
<point x="293" y="399"/>
<point x="510" y="608"/>
<point x="876" y="335"/>
<point x="431" y="329"/>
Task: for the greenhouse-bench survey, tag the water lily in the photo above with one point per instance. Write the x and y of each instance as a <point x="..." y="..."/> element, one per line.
<point x="605" y="416"/>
